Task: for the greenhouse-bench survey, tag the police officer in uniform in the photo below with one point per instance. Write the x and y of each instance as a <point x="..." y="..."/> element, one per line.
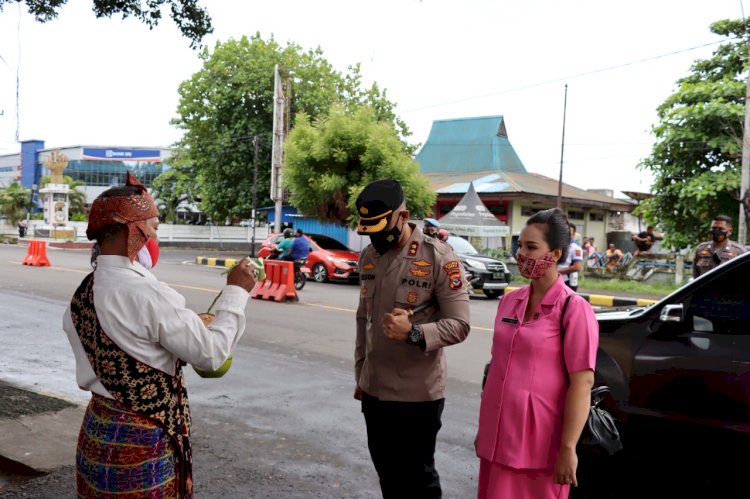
<point x="719" y="249"/>
<point x="413" y="302"/>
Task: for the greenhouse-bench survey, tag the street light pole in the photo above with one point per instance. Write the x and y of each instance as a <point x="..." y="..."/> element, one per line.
<point x="562" y="150"/>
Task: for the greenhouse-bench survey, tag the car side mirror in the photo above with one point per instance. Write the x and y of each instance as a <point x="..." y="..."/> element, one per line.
<point x="671" y="313"/>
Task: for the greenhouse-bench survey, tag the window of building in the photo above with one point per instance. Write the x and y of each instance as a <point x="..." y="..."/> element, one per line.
<point x="106" y="173"/>
<point x="576" y="215"/>
<point x="528" y="211"/>
<point x="595" y="216"/>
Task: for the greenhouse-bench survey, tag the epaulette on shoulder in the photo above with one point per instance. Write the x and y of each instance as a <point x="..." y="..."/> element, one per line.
<point x="440" y="247"/>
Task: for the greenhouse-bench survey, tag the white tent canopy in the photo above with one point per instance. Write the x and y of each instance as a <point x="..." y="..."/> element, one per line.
<point x="470" y="217"/>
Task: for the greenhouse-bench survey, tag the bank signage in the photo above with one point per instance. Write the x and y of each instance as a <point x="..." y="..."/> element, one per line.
<point x="152" y="156"/>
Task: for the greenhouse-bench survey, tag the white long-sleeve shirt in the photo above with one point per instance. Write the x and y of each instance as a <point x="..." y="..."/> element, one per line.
<point x="148" y="320"/>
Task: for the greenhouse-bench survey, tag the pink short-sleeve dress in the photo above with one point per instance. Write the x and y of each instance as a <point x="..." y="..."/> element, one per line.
<point x="523" y="402"/>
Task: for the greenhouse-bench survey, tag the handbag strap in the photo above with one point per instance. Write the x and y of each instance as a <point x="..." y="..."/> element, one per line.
<point x="562" y="334"/>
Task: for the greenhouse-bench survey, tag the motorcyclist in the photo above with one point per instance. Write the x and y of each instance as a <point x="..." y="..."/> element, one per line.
<point x="284" y="246"/>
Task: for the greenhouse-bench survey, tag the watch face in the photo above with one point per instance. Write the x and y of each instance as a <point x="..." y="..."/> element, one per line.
<point x="415" y="335"/>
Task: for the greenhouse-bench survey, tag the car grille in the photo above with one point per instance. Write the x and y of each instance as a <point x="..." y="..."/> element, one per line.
<point x="494" y="267"/>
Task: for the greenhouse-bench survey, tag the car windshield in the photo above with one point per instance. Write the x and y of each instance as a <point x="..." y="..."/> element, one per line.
<point x="461" y="245"/>
<point x="328" y="243"/>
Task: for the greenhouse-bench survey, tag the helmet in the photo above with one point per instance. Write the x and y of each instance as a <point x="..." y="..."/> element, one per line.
<point x="287" y="233"/>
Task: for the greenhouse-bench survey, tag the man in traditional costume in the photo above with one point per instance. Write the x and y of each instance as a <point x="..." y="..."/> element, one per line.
<point x="131" y="334"/>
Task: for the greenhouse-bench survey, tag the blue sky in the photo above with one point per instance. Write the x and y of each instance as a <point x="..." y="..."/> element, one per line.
<point x="114" y="82"/>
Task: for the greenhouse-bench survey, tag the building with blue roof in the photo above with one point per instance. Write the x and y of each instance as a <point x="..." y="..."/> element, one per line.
<point x="477" y="150"/>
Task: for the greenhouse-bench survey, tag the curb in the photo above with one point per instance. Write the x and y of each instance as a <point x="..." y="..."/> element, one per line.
<point x="609" y="301"/>
<point x="216" y="262"/>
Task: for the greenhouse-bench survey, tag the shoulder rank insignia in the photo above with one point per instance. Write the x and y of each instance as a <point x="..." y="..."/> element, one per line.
<point x="421" y="263"/>
<point x="413" y="247"/>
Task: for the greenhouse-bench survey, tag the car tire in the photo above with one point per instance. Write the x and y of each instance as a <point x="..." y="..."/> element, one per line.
<point x="493" y="294"/>
<point x="319" y="273"/>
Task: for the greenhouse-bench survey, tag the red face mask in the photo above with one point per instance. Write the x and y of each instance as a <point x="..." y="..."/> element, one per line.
<point x="534" y="268"/>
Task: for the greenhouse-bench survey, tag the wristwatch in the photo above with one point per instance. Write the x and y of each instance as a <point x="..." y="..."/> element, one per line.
<point x="415" y="335"/>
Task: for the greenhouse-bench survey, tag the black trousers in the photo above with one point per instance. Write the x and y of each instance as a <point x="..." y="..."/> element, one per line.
<point x="401" y="438"/>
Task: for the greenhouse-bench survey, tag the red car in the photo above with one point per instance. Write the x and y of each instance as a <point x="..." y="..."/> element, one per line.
<point x="328" y="260"/>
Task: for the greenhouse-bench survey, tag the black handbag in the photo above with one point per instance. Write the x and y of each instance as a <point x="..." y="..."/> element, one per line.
<point x="600" y="434"/>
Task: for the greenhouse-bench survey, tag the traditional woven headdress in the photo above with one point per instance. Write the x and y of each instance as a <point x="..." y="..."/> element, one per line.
<point x="132" y="210"/>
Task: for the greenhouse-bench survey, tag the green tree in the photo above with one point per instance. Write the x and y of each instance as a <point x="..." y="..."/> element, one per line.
<point x="76" y="197"/>
<point x="192" y="19"/>
<point x="696" y="159"/>
<point x="14" y="201"/>
<point x="230" y="100"/>
<point x="171" y="188"/>
<point x="330" y="160"/>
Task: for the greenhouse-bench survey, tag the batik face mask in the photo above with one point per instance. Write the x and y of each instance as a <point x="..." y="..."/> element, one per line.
<point x="534" y="268"/>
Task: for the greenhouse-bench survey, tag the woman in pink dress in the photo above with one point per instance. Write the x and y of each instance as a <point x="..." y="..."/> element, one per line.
<point x="536" y="398"/>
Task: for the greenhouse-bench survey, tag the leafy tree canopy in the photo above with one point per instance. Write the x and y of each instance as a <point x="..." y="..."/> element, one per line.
<point x="192" y="20"/>
<point x="169" y="189"/>
<point x="14" y="201"/>
<point x="230" y="100"/>
<point x="330" y="159"/>
<point x="697" y="157"/>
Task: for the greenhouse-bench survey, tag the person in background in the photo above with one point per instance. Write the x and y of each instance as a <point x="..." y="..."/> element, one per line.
<point x="719" y="249"/>
<point x="572" y="263"/>
<point x="284" y="246"/>
<point x="300" y="249"/>
<point x="412" y="304"/>
<point x="130" y="335"/>
<point x="536" y="398"/>
<point x="645" y="240"/>
<point x="613" y="256"/>
<point x="22" y="228"/>
<point x="431" y="227"/>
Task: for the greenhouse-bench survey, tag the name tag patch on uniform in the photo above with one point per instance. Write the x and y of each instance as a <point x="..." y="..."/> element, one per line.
<point x="421" y="263"/>
<point x="368" y="277"/>
<point x="510" y="320"/>
<point x="419" y="272"/>
<point x="413" y="247"/>
<point x="416" y="283"/>
<point x="411" y="297"/>
<point x="368" y="266"/>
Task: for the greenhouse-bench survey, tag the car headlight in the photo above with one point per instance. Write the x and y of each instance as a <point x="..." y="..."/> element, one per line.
<point x="476" y="264"/>
<point x="337" y="260"/>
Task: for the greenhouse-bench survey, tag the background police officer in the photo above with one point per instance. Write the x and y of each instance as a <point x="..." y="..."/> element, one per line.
<point x="719" y="249"/>
<point x="400" y="370"/>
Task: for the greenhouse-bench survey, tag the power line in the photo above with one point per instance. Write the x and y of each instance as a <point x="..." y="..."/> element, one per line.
<point x="564" y="78"/>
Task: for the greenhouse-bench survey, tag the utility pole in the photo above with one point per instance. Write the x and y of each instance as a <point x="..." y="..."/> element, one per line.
<point x="280" y="117"/>
<point x="745" y="172"/>
<point x="562" y="150"/>
<point x="255" y="192"/>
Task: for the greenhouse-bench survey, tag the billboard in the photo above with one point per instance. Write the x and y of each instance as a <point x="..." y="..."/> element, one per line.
<point x="144" y="155"/>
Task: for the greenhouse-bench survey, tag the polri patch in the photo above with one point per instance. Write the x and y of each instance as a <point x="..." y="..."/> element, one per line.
<point x="452" y="266"/>
<point x="456" y="282"/>
<point x="413" y="247"/>
<point x="411" y="297"/>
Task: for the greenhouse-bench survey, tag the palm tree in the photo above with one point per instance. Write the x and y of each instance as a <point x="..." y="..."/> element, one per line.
<point x="14" y="201"/>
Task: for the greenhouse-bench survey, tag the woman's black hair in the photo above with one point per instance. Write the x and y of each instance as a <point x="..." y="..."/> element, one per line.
<point x="557" y="229"/>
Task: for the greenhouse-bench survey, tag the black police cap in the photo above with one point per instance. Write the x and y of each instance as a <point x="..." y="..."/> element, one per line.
<point x="375" y="203"/>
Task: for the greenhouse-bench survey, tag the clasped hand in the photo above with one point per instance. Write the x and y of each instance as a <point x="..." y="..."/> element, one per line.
<point x="396" y="324"/>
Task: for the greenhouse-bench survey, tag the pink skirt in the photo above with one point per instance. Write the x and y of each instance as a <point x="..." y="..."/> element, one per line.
<point x="501" y="482"/>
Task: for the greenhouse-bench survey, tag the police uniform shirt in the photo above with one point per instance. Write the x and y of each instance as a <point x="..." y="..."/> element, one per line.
<point x="424" y="269"/>
<point x="707" y="256"/>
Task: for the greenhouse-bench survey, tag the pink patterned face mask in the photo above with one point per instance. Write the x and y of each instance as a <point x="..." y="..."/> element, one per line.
<point x="534" y="268"/>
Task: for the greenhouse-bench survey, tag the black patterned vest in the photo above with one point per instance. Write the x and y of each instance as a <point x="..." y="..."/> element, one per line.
<point x="148" y="391"/>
